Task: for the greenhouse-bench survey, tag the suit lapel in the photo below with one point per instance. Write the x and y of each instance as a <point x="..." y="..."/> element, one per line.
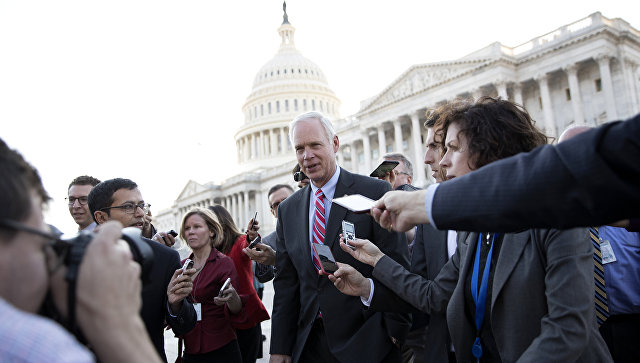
<point x="338" y="213"/>
<point x="512" y="246"/>
<point x="302" y="209"/>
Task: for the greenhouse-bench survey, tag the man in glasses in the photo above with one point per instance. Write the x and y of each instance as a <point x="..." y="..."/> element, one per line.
<point x="29" y="268"/>
<point x="163" y="297"/>
<point x="77" y="200"/>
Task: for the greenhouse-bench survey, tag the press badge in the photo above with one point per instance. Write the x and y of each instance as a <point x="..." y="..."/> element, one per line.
<point x="198" y="308"/>
<point x="607" y="252"/>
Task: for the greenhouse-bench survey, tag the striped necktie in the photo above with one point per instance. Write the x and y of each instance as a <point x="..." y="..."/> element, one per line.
<point x="319" y="225"/>
<point x="602" y="310"/>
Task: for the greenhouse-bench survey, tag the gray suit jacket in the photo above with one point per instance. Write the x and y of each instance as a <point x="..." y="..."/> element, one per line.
<point x="353" y="334"/>
<point x="266" y="273"/>
<point x="542" y="306"/>
<point x="429" y="255"/>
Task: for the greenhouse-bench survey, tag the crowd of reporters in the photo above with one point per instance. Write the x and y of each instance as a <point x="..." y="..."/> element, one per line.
<point x="508" y="277"/>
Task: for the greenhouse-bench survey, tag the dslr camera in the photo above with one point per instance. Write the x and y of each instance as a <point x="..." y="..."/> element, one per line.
<point x="71" y="251"/>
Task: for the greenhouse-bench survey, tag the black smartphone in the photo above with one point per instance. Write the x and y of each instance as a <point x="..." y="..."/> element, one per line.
<point x="327" y="261"/>
<point x="224" y="286"/>
<point x="255" y="242"/>
<point x="384" y="167"/>
<point x="173" y="233"/>
<point x="253" y="221"/>
<point x="299" y="176"/>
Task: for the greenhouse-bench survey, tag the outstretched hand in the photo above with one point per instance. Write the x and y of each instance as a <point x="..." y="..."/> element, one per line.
<point x="400" y="210"/>
<point x="350" y="282"/>
<point x="365" y="251"/>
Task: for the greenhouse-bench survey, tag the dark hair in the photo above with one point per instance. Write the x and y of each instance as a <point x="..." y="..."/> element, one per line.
<point x="432" y="116"/>
<point x="84" y="180"/>
<point x="101" y="196"/>
<point x="19" y="179"/>
<point x="277" y="187"/>
<point x="230" y="231"/>
<point x="494" y="128"/>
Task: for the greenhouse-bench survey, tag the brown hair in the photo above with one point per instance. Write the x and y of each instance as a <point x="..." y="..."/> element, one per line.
<point x="494" y="128"/>
<point x="229" y="230"/>
<point x="210" y="219"/>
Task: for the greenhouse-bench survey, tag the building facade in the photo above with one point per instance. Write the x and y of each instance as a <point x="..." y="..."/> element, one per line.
<point x="586" y="72"/>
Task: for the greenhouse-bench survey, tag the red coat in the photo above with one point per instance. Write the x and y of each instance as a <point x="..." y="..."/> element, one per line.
<point x="256" y="312"/>
<point x="215" y="329"/>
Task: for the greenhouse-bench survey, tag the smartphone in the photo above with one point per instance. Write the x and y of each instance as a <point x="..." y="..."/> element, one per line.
<point x="384" y="167"/>
<point x="188" y="263"/>
<point x="255" y="242"/>
<point x="299" y="176"/>
<point x="327" y="261"/>
<point x="349" y="233"/>
<point x="224" y="286"/>
<point x="253" y="223"/>
<point x="174" y="234"/>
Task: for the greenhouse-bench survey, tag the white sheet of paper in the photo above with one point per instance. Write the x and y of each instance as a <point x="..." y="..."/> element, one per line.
<point x="356" y="203"/>
<point x="198" y="308"/>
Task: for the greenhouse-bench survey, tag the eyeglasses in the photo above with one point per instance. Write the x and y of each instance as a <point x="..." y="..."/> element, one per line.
<point x="54" y="246"/>
<point x="72" y="200"/>
<point x="401" y="172"/>
<point x="130" y="208"/>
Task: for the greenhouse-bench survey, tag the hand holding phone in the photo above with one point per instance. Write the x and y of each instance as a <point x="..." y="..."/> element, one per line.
<point x="255" y="242"/>
<point x="174" y="234"/>
<point x="327" y="261"/>
<point x="384" y="167"/>
<point x="188" y="263"/>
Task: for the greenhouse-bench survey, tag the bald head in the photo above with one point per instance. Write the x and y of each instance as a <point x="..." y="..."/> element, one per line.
<point x="572" y="131"/>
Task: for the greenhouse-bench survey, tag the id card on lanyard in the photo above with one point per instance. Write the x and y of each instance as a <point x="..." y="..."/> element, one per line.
<point x="480" y="297"/>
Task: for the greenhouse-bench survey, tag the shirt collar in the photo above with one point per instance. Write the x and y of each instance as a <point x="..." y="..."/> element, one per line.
<point x="329" y="188"/>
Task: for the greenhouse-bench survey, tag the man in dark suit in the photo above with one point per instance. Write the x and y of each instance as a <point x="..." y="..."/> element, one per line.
<point x="163" y="296"/>
<point x="589" y="180"/>
<point x="312" y="321"/>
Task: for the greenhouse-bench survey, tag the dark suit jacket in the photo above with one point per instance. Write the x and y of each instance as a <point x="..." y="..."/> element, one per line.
<point x="542" y="307"/>
<point x="354" y="334"/>
<point x="429" y="255"/>
<point x="154" y="298"/>
<point x="590" y="180"/>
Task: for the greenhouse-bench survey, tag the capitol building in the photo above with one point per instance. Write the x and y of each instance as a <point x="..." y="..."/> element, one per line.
<point x="586" y="72"/>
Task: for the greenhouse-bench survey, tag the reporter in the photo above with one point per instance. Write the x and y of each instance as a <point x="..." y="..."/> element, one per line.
<point x="213" y="338"/>
<point x="523" y="296"/>
<point x="107" y="274"/>
<point x="232" y="244"/>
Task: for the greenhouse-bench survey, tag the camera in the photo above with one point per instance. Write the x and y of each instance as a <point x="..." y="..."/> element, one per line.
<point x="299" y="176"/>
<point x="71" y="251"/>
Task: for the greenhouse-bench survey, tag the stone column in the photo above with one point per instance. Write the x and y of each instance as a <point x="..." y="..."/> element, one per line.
<point x="245" y="207"/>
<point x="629" y="67"/>
<point x="382" y="141"/>
<point x="419" y="174"/>
<point x="265" y="144"/>
<point x="252" y="148"/>
<point x="341" y="156"/>
<point x="517" y="94"/>
<point x="397" y="134"/>
<point x="501" y="87"/>
<point x="283" y="141"/>
<point x="549" y="122"/>
<point x="607" y="86"/>
<point x="274" y="143"/>
<point x="574" y="89"/>
<point x="354" y="157"/>
<point x="366" y="146"/>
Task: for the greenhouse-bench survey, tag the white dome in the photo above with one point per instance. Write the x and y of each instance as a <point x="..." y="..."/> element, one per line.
<point x="286" y="86"/>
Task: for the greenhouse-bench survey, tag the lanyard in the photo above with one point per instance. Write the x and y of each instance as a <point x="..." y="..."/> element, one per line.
<point x="480" y="298"/>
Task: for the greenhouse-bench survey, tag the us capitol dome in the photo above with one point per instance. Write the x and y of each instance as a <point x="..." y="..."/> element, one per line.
<point x="287" y="85"/>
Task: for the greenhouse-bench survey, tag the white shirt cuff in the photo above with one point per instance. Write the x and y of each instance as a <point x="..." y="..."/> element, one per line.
<point x="367" y="302"/>
<point x="428" y="202"/>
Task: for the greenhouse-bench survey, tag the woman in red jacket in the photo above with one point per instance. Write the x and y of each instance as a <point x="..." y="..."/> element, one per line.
<point x="249" y="333"/>
<point x="213" y="339"/>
